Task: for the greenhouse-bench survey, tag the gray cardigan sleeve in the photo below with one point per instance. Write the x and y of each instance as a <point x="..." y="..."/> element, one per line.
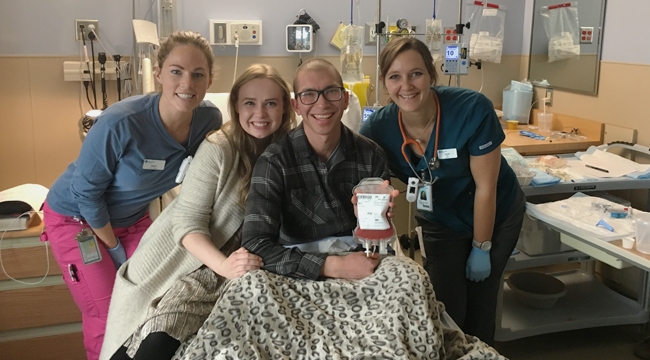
<point x="198" y="191"/>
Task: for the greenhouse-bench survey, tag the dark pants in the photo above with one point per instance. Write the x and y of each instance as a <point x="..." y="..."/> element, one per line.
<point x="156" y="346"/>
<point x="471" y="304"/>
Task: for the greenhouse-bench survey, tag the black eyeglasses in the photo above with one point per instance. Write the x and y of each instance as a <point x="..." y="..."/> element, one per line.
<point x="311" y="96"/>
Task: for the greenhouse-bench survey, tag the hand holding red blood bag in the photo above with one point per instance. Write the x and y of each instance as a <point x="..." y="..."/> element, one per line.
<point x="375" y="231"/>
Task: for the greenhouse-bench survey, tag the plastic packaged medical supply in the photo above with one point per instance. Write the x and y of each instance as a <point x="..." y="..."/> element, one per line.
<point x="552" y="161"/>
<point x="434" y="35"/>
<point x="488" y="20"/>
<point x="352" y="54"/>
<point x="375" y="231"/>
<point x="562" y="29"/>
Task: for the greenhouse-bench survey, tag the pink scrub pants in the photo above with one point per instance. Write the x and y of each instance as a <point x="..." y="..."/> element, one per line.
<point x="90" y="285"/>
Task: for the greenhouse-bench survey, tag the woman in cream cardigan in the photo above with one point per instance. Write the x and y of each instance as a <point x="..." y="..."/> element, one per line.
<point x="164" y="292"/>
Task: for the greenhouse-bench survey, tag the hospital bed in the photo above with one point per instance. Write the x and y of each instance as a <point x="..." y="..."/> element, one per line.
<point x="264" y="315"/>
<point x="588" y="302"/>
<point x="352" y="119"/>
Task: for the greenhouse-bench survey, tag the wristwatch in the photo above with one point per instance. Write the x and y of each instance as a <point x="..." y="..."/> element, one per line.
<point x="485" y="245"/>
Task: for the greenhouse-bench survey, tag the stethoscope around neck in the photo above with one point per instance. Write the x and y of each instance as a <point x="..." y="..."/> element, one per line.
<point x="434" y="162"/>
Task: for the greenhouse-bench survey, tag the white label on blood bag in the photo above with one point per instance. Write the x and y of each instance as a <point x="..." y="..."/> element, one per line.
<point x="372" y="211"/>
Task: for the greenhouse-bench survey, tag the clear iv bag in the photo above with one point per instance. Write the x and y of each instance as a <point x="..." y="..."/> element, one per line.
<point x="434" y="35"/>
<point x="352" y="53"/>
<point x="562" y="27"/>
<point x="488" y="26"/>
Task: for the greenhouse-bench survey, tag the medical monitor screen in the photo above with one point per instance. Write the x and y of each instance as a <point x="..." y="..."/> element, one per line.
<point x="452" y="52"/>
<point x="367" y="111"/>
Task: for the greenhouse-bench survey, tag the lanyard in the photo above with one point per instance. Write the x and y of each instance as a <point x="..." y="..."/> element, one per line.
<point x="407" y="141"/>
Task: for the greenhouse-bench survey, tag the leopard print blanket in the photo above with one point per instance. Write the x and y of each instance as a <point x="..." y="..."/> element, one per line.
<point x="392" y="314"/>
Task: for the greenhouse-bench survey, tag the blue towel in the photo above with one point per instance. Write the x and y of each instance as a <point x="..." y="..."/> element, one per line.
<point x="639" y="175"/>
<point x="543" y="179"/>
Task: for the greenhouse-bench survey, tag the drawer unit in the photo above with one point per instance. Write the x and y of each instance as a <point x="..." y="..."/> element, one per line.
<point x="38" y="320"/>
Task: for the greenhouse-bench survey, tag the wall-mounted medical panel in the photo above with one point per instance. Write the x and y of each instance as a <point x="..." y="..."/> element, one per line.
<point x="227" y="32"/>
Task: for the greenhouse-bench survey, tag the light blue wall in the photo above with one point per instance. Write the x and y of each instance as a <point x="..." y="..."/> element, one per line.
<point x="46" y="27"/>
<point x="626" y="31"/>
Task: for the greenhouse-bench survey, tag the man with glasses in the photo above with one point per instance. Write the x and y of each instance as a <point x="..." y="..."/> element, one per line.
<point x="302" y="185"/>
<point x="300" y="194"/>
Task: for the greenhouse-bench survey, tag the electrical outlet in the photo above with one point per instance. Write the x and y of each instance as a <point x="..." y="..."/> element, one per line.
<point x="450" y="35"/>
<point x="86" y="31"/>
<point x="586" y="34"/>
<point x="219" y="32"/>
<point x="369" y="33"/>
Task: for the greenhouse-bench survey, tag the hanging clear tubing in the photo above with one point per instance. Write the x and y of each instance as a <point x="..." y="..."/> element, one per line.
<point x="352" y="53"/>
<point x="375" y="231"/>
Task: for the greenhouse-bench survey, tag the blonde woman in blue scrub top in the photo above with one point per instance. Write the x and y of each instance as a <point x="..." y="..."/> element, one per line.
<point x="470" y="206"/>
<point x="96" y="211"/>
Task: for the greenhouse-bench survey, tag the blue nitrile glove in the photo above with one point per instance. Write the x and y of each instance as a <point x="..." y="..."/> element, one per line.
<point x="118" y="254"/>
<point x="478" y="265"/>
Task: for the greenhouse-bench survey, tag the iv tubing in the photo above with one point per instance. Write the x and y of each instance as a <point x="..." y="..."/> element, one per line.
<point x="378" y="43"/>
<point x="460" y="21"/>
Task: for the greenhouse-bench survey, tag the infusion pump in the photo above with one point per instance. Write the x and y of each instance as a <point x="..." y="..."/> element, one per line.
<point x="456" y="59"/>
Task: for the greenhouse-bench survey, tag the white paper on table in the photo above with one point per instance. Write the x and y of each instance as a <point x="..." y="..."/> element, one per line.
<point x="578" y="167"/>
<point x="32" y="194"/>
<point x="616" y="166"/>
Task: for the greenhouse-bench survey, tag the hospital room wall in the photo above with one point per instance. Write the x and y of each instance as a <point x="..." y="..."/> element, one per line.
<point x="39" y="134"/>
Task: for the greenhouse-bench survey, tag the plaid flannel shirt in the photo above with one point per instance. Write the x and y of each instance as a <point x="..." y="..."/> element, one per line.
<point x="296" y="198"/>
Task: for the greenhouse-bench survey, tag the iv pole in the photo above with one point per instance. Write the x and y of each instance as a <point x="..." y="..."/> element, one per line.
<point x="379" y="26"/>
<point x="459" y="31"/>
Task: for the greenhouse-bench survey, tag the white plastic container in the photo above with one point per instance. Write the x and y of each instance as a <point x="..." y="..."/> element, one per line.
<point x="642" y="224"/>
<point x="628" y="242"/>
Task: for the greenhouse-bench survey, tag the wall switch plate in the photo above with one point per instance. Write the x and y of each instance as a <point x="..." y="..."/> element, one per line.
<point x="86" y="31"/>
<point x="369" y="33"/>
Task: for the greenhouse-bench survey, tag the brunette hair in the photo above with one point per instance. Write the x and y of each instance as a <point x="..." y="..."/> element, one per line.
<point x="185" y="38"/>
<point x="400" y="45"/>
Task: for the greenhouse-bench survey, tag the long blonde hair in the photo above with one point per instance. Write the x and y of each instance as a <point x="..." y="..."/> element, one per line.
<point x="241" y="141"/>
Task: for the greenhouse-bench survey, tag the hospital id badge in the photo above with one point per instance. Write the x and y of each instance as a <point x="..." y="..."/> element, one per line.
<point x="424" y="198"/>
<point x="88" y="246"/>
